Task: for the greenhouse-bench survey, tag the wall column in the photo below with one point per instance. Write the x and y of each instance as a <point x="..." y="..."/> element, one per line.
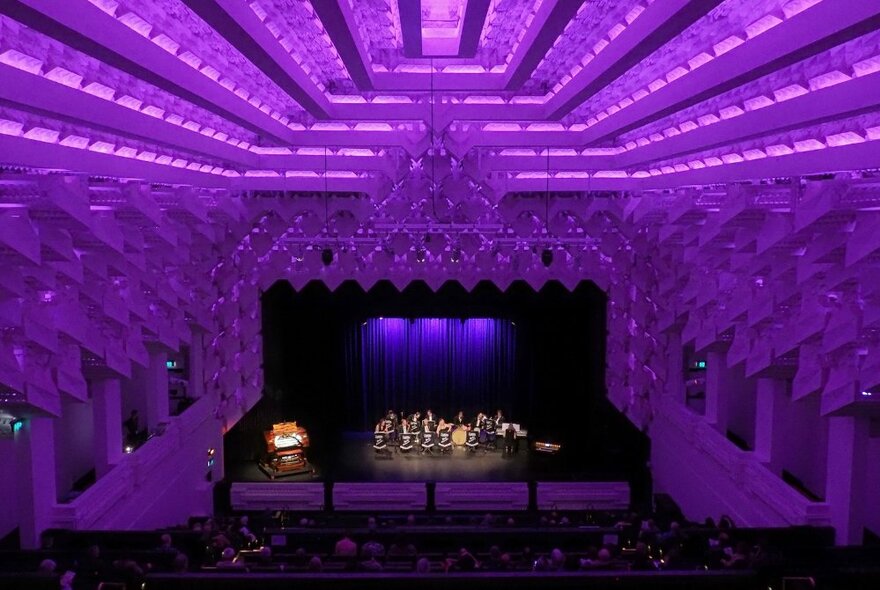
<point x="769" y="436"/>
<point x="845" y="481"/>
<point x="717" y="393"/>
<point x="676" y="375"/>
<point x="107" y="407"/>
<point x="156" y="388"/>
<point x="35" y="456"/>
<point x="196" y="364"/>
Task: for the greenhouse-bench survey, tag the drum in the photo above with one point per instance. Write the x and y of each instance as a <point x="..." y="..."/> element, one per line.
<point x="459" y="436"/>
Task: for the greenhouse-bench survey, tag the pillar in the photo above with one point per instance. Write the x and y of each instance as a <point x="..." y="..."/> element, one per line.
<point x="156" y="389"/>
<point x="107" y="408"/>
<point x="717" y="394"/>
<point x="675" y="368"/>
<point x="35" y="457"/>
<point x="770" y="405"/>
<point x="846" y="471"/>
<point x="196" y="364"/>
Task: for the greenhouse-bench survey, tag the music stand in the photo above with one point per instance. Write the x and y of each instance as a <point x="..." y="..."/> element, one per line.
<point x="380" y="443"/>
<point x="407" y="439"/>
<point x="427" y="441"/>
<point x="472" y="441"/>
<point x="491" y="434"/>
<point x="445" y="441"/>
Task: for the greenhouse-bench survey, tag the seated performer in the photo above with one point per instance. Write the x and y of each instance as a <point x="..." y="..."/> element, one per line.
<point x="479" y="423"/>
<point x="459" y="421"/>
<point x="443" y="426"/>
<point x="415" y="422"/>
<point x="430" y="421"/>
<point x="499" y="418"/>
<point x="380" y="426"/>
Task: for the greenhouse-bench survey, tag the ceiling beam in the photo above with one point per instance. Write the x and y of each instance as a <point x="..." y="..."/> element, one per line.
<point x="660" y="22"/>
<point x="847" y="99"/>
<point x="817" y="29"/>
<point x="83" y="26"/>
<point x="28" y="92"/>
<point x="237" y="23"/>
<point x="562" y="13"/>
<point x="339" y="24"/>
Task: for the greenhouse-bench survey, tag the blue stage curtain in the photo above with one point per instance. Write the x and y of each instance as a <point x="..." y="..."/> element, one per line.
<point x="446" y="364"/>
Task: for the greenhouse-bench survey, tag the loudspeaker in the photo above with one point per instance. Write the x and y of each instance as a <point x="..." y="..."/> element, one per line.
<point x="327" y="256"/>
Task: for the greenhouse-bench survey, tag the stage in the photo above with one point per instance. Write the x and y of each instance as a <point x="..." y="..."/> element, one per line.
<point x="356" y="460"/>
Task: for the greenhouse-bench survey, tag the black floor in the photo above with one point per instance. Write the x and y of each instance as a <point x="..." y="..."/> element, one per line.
<point x="356" y="460"/>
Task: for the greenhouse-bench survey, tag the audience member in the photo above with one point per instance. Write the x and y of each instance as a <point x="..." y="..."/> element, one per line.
<point x="47" y="567"/>
<point x="228" y="560"/>
<point x="370" y="564"/>
<point x="345" y="547"/>
<point x="315" y="564"/>
<point x="165" y="544"/>
<point x="423" y="566"/>
<point x="180" y="564"/>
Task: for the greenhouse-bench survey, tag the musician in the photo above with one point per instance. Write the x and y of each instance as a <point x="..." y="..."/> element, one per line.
<point x="480" y="421"/>
<point x="393" y="417"/>
<point x="499" y="418"/>
<point x="459" y="421"/>
<point x="380" y="426"/>
<point x="415" y="422"/>
<point x="509" y="439"/>
<point x="429" y="416"/>
<point x="443" y="425"/>
<point x="404" y="426"/>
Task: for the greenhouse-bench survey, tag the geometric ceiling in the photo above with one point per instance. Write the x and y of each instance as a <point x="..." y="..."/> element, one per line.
<point x="522" y="95"/>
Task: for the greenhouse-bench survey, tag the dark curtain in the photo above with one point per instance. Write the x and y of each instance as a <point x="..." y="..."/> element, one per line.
<point x="446" y="364"/>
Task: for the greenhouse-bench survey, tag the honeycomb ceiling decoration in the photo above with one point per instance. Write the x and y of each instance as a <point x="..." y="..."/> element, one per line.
<point x="440" y="130"/>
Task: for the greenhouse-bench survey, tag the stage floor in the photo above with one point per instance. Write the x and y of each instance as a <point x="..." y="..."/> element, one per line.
<point x="356" y="461"/>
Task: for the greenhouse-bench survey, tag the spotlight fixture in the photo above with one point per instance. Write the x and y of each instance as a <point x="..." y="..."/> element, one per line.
<point x="455" y="255"/>
<point x="547" y="257"/>
<point x="421" y="255"/>
<point x="327" y="256"/>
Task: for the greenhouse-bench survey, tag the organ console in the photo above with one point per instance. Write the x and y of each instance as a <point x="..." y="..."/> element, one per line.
<point x="285" y="450"/>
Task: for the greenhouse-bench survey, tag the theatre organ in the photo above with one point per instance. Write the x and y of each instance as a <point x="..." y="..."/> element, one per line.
<point x="285" y="450"/>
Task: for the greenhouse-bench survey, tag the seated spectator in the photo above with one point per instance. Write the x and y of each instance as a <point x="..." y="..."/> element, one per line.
<point x="228" y="560"/>
<point x="66" y="581"/>
<point x="345" y="547"/>
<point x="410" y="520"/>
<point x="128" y="572"/>
<point x="542" y="564"/>
<point x="464" y="562"/>
<point x="165" y="544"/>
<point x="557" y="560"/>
<point x="315" y="565"/>
<point x="738" y="558"/>
<point x="180" y="564"/>
<point x="300" y="558"/>
<point x="265" y="556"/>
<point x="641" y="560"/>
<point x="47" y="567"/>
<point x="92" y="566"/>
<point x="373" y="547"/>
<point x="400" y="548"/>
<point x="494" y="564"/>
<point x="423" y="566"/>
<point x="370" y="564"/>
<point x="602" y="560"/>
